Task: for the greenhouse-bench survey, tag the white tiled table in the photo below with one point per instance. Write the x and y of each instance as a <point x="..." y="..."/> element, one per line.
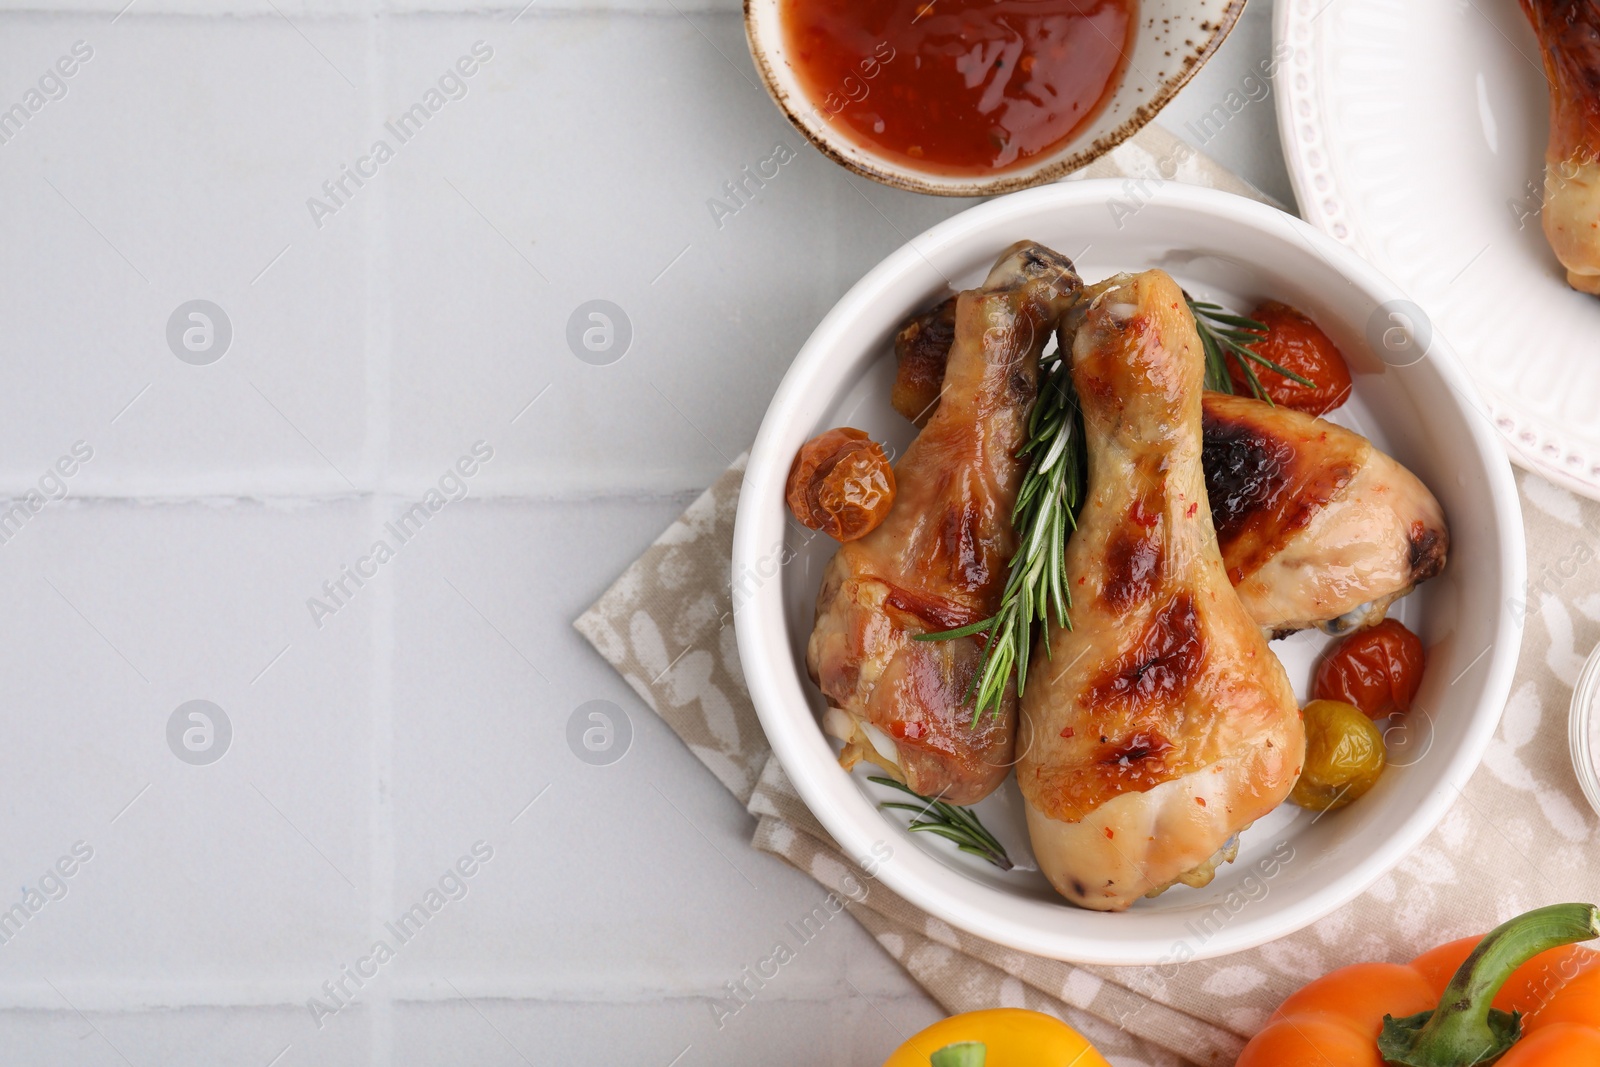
<point x="371" y="752"/>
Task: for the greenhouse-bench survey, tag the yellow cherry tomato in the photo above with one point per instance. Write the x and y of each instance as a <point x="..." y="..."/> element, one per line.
<point x="1011" y="1037"/>
<point x="1344" y="756"/>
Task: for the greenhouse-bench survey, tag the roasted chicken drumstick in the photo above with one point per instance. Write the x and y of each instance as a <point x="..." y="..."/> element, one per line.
<point x="1316" y="526"/>
<point x="1569" y="38"/>
<point x="1160" y="725"/>
<point x="938" y="561"/>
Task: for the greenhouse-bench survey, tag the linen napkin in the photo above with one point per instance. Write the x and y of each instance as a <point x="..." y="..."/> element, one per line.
<point x="1515" y="839"/>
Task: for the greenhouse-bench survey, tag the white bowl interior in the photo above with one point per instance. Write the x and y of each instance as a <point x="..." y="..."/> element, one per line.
<point x="1235" y="252"/>
<point x="1171" y="41"/>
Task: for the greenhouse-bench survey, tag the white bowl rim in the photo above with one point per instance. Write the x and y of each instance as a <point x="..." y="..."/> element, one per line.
<point x="857" y="825"/>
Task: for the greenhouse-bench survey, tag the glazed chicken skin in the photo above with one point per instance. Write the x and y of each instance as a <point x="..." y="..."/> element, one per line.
<point x="1160" y="725"/>
<point x="1569" y="38"/>
<point x="938" y="561"/>
<point x="1316" y="526"/>
<point x="921" y="348"/>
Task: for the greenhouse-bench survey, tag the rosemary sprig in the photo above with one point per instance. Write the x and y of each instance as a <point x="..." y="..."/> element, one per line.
<point x="1047" y="505"/>
<point x="953" y="823"/>
<point x="1223" y="334"/>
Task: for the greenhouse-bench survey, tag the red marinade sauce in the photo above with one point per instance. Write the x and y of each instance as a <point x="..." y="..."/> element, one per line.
<point x="960" y="87"/>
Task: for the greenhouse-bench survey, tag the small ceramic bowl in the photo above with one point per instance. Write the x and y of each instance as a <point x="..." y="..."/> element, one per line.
<point x="1294" y="866"/>
<point x="1172" y="40"/>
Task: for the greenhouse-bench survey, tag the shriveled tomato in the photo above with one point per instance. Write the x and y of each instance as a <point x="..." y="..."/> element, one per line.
<point x="1297" y="344"/>
<point x="841" y="483"/>
<point x="1344" y="756"/>
<point x="1378" y="670"/>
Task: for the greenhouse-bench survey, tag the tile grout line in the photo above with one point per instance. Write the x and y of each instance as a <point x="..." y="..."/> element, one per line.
<point x="116" y="998"/>
<point x="381" y="892"/>
<point x="380" y="351"/>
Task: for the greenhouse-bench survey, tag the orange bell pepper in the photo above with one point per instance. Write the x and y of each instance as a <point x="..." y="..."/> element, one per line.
<point x="999" y="1037"/>
<point x="1524" y="995"/>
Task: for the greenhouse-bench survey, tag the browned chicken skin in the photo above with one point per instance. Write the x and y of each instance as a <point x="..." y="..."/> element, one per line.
<point x="1316" y="526"/>
<point x="939" y="559"/>
<point x="1161" y="724"/>
<point x="921" y="348"/>
<point x="1569" y="38"/>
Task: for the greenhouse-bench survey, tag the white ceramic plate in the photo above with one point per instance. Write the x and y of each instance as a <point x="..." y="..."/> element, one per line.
<point x="1415" y="135"/>
<point x="1236" y="251"/>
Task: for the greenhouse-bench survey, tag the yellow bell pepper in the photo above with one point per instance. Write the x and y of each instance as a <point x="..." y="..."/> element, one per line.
<point x="999" y="1037"/>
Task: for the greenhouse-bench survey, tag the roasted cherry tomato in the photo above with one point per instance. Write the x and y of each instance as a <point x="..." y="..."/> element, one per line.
<point x="1378" y="670"/>
<point x="841" y="483"/>
<point x="1344" y="756"/>
<point x="1297" y="344"/>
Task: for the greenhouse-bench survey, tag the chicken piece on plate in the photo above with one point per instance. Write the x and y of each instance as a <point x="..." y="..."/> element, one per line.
<point x="920" y="349"/>
<point x="1316" y="527"/>
<point x="938" y="561"/>
<point x="1569" y="37"/>
<point x="1160" y="725"/>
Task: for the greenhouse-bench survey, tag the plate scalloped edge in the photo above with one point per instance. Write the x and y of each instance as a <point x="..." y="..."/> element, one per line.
<point x="1571" y="463"/>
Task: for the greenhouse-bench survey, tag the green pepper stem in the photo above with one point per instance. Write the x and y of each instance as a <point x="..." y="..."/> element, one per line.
<point x="1465" y="1029"/>
<point x="961" y="1054"/>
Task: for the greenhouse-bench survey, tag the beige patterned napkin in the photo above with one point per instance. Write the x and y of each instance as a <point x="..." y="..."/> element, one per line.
<point x="1520" y="835"/>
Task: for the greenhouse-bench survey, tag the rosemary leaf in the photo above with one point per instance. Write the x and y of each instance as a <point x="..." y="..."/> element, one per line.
<point x="1223" y="334"/>
<point x="955" y="824"/>
<point x="981" y="626"/>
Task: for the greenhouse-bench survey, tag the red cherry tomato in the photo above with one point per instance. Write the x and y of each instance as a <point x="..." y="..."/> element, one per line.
<point x="841" y="483"/>
<point x="1297" y="344"/>
<point x="1378" y="670"/>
